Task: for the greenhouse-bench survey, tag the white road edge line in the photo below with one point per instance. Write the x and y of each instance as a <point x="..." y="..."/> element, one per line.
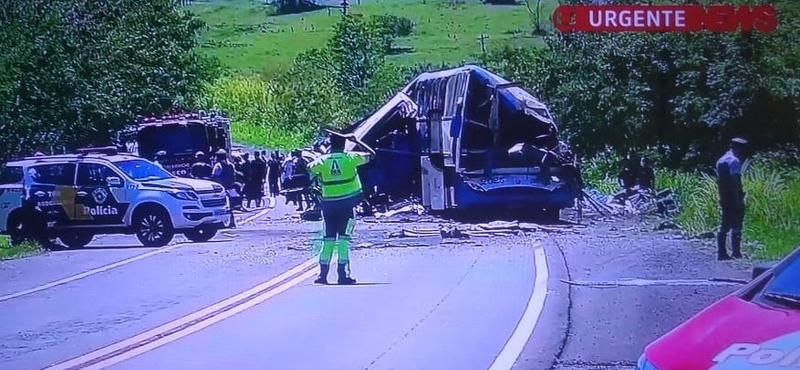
<point x="88" y="273"/>
<point x="513" y="348"/>
<point x="189" y="318"/>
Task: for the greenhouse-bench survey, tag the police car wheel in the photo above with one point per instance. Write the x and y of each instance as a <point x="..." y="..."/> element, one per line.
<point x="75" y="240"/>
<point x="201" y="234"/>
<point x="153" y="228"/>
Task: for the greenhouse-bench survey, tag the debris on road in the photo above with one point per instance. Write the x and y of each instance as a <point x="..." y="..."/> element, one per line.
<point x="636" y="201"/>
<point x="463" y="231"/>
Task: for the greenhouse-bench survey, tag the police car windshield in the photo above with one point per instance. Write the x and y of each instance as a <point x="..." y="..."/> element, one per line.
<point x="785" y="284"/>
<point x="142" y="170"/>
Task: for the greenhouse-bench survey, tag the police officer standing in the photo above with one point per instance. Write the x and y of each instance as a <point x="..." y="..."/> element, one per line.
<point x="337" y="173"/>
<point x="201" y="169"/>
<point x="731" y="199"/>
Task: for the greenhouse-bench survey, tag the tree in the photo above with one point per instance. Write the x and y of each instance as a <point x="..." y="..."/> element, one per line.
<point x="73" y="72"/>
<point x="682" y="93"/>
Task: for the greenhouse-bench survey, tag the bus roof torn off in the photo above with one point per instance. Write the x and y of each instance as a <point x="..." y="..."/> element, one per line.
<point x="467" y="138"/>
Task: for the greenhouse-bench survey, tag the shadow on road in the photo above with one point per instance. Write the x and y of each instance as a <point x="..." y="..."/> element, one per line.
<point x="111" y="247"/>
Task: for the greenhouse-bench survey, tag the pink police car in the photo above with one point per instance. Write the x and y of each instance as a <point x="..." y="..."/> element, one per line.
<point x="755" y="328"/>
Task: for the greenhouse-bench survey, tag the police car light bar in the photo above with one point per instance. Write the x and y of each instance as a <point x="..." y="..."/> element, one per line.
<point x="108" y="150"/>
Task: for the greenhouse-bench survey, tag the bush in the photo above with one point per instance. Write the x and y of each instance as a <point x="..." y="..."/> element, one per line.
<point x="394" y="25"/>
<point x="683" y="94"/>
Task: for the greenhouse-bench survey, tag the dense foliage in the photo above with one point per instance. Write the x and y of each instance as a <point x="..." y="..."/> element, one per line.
<point x="330" y="86"/>
<point x="682" y="95"/>
<point x="72" y="72"/>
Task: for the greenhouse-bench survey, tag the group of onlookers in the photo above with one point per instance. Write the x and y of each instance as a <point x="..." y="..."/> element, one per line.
<point x="254" y="178"/>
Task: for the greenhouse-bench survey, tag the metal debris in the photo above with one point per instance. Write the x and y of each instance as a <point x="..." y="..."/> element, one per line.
<point x="462" y="231"/>
<point x="636" y="201"/>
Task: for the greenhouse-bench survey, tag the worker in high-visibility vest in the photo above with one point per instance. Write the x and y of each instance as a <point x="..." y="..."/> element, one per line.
<point x="337" y="173"/>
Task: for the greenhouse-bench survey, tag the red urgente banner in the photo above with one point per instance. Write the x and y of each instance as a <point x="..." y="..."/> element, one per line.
<point x="664" y="18"/>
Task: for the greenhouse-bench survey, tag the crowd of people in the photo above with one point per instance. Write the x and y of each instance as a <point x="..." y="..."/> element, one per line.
<point x="251" y="179"/>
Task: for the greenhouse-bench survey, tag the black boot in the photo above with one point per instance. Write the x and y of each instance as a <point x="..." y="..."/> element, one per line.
<point x="722" y="252"/>
<point x="736" y="244"/>
<point x="323" y="274"/>
<point x="344" y="276"/>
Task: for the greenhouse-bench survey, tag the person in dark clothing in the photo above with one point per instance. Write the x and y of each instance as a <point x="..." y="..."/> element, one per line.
<point x="645" y="175"/>
<point x="300" y="179"/>
<point x="627" y="177"/>
<point x="246" y="167"/>
<point x="731" y="199"/>
<point x="274" y="174"/>
<point x="255" y="186"/>
<point x="201" y="169"/>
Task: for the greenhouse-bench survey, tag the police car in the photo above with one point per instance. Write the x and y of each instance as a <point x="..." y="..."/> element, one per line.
<point x="99" y="191"/>
<point x="756" y="327"/>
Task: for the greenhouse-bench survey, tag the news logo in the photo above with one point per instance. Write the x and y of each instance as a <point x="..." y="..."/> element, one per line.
<point x="664" y="18"/>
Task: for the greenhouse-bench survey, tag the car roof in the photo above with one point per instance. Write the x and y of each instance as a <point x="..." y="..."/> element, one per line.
<point x="60" y="158"/>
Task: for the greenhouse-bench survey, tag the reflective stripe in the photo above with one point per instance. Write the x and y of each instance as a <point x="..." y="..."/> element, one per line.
<point x="339" y="182"/>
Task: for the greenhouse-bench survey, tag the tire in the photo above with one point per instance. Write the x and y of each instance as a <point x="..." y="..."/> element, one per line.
<point x="153" y="227"/>
<point x="76" y="240"/>
<point x="201" y="234"/>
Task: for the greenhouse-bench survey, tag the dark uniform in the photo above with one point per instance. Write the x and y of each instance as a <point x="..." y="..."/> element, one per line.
<point x="731" y="199"/>
<point x="337" y="173"/>
<point x="645" y="176"/>
<point x="201" y="169"/>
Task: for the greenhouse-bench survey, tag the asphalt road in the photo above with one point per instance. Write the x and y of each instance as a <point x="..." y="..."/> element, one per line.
<point x="421" y="303"/>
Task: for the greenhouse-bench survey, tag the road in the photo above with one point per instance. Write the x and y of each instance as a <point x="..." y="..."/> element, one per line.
<point x="245" y="300"/>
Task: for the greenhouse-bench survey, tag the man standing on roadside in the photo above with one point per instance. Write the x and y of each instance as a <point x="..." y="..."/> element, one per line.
<point x="731" y="199"/>
<point x="224" y="174"/>
<point x="273" y="175"/>
<point x="201" y="169"/>
<point x="258" y="172"/>
<point x="341" y="192"/>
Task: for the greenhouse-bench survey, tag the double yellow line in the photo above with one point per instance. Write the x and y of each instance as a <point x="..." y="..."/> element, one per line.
<point x="172" y="331"/>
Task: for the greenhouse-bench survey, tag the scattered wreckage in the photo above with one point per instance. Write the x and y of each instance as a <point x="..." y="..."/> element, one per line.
<point x="634" y="201"/>
<point x="466" y="139"/>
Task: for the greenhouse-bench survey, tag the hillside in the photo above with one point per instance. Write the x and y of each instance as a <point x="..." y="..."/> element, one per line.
<point x="247" y="38"/>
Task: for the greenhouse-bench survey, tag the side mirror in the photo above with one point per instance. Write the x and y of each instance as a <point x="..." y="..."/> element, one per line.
<point x="113" y="181"/>
<point x="761" y="268"/>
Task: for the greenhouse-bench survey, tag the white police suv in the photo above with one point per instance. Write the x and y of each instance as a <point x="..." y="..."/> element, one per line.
<point x="98" y="191"/>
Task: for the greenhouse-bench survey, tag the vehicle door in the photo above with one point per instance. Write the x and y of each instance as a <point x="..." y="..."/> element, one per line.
<point x="101" y="197"/>
<point x="454" y="118"/>
<point x="52" y="189"/>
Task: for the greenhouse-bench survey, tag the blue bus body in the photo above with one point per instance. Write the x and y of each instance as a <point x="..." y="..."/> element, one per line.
<point x="467" y="139"/>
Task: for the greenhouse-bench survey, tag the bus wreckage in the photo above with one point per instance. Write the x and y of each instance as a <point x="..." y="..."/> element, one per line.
<point x="467" y="139"/>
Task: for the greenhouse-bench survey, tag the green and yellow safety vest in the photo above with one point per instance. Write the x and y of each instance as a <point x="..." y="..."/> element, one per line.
<point x="338" y="174"/>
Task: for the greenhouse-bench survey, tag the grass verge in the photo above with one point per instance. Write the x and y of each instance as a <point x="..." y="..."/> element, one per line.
<point x="247" y="39"/>
<point x="8" y="251"/>
<point x="772" y="215"/>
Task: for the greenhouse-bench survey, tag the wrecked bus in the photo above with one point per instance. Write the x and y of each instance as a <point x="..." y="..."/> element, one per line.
<point x="466" y="139"/>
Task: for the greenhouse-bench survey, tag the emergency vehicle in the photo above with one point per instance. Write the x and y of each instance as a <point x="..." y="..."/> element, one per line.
<point x="756" y="327"/>
<point x="180" y="137"/>
<point x="99" y="191"/>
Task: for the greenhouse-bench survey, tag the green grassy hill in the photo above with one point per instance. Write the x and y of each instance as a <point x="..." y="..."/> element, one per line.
<point x="247" y="38"/>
